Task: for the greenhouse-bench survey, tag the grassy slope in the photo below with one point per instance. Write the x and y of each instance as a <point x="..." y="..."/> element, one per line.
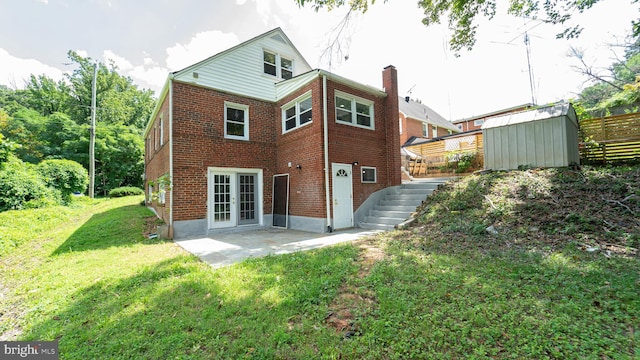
<point x="444" y="288"/>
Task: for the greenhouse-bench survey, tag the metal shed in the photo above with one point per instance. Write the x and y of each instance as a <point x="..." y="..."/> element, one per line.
<point x="543" y="137"/>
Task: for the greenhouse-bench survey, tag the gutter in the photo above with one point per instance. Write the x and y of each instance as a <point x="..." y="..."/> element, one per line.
<point x="170" y="82"/>
<point x="325" y="134"/>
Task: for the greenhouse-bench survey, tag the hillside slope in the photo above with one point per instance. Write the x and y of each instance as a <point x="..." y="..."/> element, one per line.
<point x="595" y="208"/>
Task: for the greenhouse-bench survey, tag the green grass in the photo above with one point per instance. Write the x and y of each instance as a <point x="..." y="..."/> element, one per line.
<point x="443" y="289"/>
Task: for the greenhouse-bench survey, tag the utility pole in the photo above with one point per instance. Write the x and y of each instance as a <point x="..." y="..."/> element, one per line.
<point x="92" y="135"/>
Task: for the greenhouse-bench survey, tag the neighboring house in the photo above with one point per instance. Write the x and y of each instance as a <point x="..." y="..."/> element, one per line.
<point x="253" y="136"/>
<point x="420" y="121"/>
<point x="475" y="122"/>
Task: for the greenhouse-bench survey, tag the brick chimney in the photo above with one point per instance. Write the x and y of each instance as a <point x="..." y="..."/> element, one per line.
<point x="392" y="128"/>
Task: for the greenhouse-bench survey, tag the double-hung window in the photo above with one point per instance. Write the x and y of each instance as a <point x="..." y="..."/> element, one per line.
<point x="354" y="111"/>
<point x="236" y="121"/>
<point x="297" y="113"/>
<point x="276" y="65"/>
<point x="425" y="130"/>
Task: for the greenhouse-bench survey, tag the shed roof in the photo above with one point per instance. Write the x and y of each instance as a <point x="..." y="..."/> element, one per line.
<point x="543" y="113"/>
<point x="415" y="110"/>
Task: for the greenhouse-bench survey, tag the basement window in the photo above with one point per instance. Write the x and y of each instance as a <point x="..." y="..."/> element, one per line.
<point x="368" y="174"/>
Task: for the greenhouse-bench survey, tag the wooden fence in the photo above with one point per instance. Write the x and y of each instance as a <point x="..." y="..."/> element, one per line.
<point x="610" y="139"/>
<point x="436" y="156"/>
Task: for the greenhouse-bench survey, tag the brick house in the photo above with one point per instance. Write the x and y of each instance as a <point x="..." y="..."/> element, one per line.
<point x="254" y="137"/>
<point x="417" y="120"/>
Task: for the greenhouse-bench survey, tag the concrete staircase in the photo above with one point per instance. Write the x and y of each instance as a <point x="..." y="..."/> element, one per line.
<point x="397" y="206"/>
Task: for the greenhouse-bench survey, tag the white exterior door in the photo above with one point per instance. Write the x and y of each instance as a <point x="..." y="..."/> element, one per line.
<point x="342" y="196"/>
<point x="222" y="200"/>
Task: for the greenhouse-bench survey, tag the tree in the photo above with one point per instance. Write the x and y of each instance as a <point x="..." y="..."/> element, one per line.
<point x="616" y="88"/>
<point x="47" y="96"/>
<point x="461" y="14"/>
<point x="66" y="176"/>
<point x="119" y="100"/>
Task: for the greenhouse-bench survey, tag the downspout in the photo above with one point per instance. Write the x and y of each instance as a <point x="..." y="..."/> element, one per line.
<point x="325" y="134"/>
<point x="171" y="153"/>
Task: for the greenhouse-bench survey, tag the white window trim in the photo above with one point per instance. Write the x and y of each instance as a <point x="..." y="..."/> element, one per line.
<point x="161" y="194"/>
<point x="296" y="102"/>
<point x="375" y="174"/>
<point x="425" y="130"/>
<point x="237" y="106"/>
<point x="161" y="129"/>
<point x="278" y="64"/>
<point x="478" y="122"/>
<point x="354" y="99"/>
<point x="400" y="124"/>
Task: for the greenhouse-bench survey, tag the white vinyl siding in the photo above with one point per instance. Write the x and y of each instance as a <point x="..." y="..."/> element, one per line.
<point x="241" y="70"/>
<point x="354" y="111"/>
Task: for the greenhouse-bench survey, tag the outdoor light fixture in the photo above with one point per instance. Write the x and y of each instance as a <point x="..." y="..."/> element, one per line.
<point x="355" y="163"/>
<point x="299" y="167"/>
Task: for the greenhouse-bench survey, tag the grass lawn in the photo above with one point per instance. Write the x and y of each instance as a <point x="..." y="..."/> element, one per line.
<point x="443" y="289"/>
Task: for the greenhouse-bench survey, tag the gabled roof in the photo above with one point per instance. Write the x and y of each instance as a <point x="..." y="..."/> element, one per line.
<point x="286" y="87"/>
<point x="418" y="111"/>
<point x="542" y="113"/>
<point x="275" y="33"/>
<point x="512" y="109"/>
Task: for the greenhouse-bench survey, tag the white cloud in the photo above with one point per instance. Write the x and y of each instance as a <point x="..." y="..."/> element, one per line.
<point x="122" y="63"/>
<point x="46" y="2"/>
<point x="15" y="71"/>
<point x="149" y="77"/>
<point x="82" y="53"/>
<point x="201" y="46"/>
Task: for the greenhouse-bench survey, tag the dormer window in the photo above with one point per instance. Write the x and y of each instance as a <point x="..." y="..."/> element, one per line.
<point x="276" y="65"/>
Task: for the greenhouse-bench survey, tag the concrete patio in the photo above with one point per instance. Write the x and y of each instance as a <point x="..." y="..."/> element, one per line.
<point x="227" y="248"/>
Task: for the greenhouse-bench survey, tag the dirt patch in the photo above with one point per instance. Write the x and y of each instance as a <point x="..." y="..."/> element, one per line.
<point x="355" y="301"/>
<point x="150" y="226"/>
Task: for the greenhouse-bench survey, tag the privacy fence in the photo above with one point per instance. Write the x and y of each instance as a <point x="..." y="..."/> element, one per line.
<point x="457" y="153"/>
<point x="610" y="139"/>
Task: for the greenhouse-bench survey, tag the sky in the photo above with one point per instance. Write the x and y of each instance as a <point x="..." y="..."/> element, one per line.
<point x="148" y="39"/>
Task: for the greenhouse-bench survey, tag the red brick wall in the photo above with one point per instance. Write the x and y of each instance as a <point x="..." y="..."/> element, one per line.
<point x="157" y="159"/>
<point x="199" y="143"/>
<point x="392" y="109"/>
<point x="303" y="146"/>
<point x="414" y="128"/>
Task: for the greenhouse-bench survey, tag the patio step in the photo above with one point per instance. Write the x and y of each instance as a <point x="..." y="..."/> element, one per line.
<point x="398" y="206"/>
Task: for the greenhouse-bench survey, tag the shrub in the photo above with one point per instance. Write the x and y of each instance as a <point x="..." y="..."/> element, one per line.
<point x="125" y="191"/>
<point x="21" y="187"/>
<point x="66" y="176"/>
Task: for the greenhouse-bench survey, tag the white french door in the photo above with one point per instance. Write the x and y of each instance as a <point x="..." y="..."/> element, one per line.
<point x="234" y="198"/>
<point x="222" y="207"/>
